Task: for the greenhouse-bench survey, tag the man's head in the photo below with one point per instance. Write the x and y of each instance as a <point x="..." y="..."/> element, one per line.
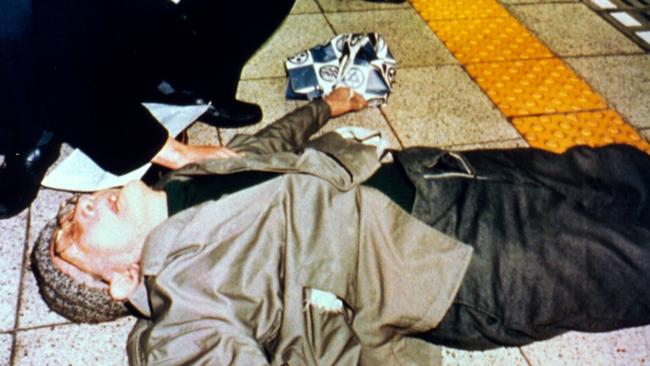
<point x="94" y="247"/>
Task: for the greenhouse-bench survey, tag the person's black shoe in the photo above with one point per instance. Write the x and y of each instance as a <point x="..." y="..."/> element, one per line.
<point x="229" y="114"/>
<point x="232" y="114"/>
<point x="21" y="175"/>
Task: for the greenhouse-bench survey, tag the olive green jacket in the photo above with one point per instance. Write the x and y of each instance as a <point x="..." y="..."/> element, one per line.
<point x="305" y="269"/>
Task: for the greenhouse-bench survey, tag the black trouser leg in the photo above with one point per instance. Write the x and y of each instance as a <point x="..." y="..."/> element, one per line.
<point x="18" y="128"/>
<point x="561" y="242"/>
<point x="218" y="38"/>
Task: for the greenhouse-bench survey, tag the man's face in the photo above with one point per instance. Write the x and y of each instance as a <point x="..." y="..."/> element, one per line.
<point x="106" y="230"/>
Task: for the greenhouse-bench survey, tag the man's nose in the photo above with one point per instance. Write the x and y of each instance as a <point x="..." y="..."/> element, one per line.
<point x="87" y="206"/>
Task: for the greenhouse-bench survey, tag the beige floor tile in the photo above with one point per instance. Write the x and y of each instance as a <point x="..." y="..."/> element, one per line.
<point x="269" y="93"/>
<point x="645" y="133"/>
<point x="12" y="244"/>
<point x="407" y="35"/>
<point x="441" y="106"/>
<point x="201" y="133"/>
<point x="33" y="311"/>
<point x="5" y="348"/>
<point x="624" y="81"/>
<point x="347" y="5"/>
<point x="305" y="6"/>
<point x="627" y="347"/>
<point x="573" y="29"/>
<point x="74" y="344"/>
<point x="501" y="356"/>
<point x="297" y="33"/>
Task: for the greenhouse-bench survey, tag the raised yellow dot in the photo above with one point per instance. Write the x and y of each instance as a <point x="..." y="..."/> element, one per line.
<point x="552" y="144"/>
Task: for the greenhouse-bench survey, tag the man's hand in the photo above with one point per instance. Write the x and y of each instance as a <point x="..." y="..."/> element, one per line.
<point x="344" y="100"/>
<point x="175" y="154"/>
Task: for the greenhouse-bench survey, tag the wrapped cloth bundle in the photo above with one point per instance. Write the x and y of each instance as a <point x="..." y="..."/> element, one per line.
<point x="361" y="62"/>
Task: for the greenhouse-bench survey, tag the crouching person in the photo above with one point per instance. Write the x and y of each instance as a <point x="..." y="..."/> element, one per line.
<point x="303" y="252"/>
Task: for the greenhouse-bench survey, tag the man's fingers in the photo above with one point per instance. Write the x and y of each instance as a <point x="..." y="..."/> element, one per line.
<point x="358" y="102"/>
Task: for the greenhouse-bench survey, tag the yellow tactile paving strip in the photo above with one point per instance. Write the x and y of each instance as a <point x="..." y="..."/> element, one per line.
<point x="559" y="132"/>
<point x="551" y="106"/>
<point x="531" y="87"/>
<point x="458" y="9"/>
<point x="489" y="39"/>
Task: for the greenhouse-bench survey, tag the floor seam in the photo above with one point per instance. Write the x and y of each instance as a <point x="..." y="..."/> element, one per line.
<point x="390" y="125"/>
<point x="523" y="354"/>
<point x="19" y="302"/>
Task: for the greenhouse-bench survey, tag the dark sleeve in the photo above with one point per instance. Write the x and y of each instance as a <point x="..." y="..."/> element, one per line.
<point x="289" y="133"/>
<point x="124" y="137"/>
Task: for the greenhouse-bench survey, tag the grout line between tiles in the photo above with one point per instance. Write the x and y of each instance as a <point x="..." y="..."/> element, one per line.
<point x="49" y="326"/>
<point x="523" y="354"/>
<point x="320" y="7"/>
<point x="606" y="55"/>
<point x="456" y="146"/>
<point x="390" y="125"/>
<point x="19" y="301"/>
<point x="219" y="133"/>
<point x="327" y="19"/>
<point x="366" y="10"/>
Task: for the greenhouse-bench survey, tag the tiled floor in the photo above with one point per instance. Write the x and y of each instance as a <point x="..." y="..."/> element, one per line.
<point x="435" y="102"/>
<point x="632" y="17"/>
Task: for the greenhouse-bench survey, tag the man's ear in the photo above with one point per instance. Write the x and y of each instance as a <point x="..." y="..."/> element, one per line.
<point x="122" y="284"/>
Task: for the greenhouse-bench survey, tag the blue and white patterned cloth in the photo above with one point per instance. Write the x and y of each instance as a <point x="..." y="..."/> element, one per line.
<point x="361" y="62"/>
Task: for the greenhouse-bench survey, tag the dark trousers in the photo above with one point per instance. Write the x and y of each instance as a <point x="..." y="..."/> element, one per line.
<point x="81" y="69"/>
<point x="216" y="38"/>
<point x="561" y="242"/>
<point x="16" y="76"/>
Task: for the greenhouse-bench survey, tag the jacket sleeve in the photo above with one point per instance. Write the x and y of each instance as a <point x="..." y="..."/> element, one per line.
<point x="188" y="335"/>
<point x="289" y="133"/>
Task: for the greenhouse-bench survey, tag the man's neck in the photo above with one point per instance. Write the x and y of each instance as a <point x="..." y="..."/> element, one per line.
<point x="159" y="211"/>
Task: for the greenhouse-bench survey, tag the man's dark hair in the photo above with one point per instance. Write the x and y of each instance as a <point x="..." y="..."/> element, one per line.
<point x="65" y="295"/>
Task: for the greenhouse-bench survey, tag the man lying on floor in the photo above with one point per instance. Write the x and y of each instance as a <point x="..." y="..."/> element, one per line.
<point x="315" y="259"/>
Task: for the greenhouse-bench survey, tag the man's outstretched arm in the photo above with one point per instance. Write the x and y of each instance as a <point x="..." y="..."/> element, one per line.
<point x="294" y="130"/>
